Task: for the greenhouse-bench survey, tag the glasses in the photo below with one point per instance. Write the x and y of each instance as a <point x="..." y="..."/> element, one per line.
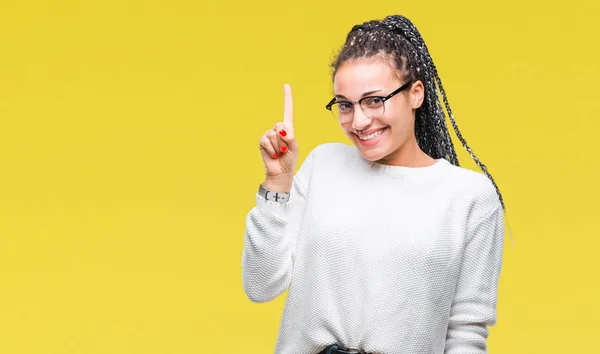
<point x="372" y="106"/>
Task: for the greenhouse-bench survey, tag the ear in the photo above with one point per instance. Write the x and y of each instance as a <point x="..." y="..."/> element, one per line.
<point x="417" y="94"/>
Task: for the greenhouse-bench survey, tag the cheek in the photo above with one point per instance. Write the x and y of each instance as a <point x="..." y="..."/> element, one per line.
<point x="346" y="127"/>
<point x="398" y="118"/>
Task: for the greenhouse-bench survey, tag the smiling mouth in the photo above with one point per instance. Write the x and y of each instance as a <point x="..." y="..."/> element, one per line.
<point x="372" y="135"/>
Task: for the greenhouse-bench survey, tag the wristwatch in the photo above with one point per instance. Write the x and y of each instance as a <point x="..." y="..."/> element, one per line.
<point x="271" y="196"/>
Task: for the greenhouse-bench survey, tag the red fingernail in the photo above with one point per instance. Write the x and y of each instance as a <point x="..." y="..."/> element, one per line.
<point x="283" y="148"/>
<point x="274" y="156"/>
<point x="282" y="133"/>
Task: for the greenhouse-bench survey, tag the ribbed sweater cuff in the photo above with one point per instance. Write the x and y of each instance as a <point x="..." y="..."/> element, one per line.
<point x="279" y="209"/>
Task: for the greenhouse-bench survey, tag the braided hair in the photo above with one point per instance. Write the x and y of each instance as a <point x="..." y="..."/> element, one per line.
<point x="397" y="40"/>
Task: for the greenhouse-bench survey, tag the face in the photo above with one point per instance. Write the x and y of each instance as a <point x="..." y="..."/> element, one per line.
<point x="386" y="137"/>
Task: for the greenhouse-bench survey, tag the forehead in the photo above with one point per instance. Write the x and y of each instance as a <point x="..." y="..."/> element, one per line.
<point x="357" y="76"/>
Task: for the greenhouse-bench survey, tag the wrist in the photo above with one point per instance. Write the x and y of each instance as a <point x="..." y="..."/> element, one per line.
<point x="280" y="184"/>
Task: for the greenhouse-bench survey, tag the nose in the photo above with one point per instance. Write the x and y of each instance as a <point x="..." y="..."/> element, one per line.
<point x="360" y="120"/>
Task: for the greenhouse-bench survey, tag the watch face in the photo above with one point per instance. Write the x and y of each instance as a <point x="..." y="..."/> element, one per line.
<point x="277" y="197"/>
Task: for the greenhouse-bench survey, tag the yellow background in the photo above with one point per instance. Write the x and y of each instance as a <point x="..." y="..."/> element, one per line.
<point x="128" y="149"/>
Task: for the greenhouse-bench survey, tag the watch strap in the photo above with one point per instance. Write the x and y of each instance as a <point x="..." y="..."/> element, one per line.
<point x="271" y="196"/>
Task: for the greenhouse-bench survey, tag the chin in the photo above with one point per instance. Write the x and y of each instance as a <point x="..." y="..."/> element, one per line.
<point x="372" y="155"/>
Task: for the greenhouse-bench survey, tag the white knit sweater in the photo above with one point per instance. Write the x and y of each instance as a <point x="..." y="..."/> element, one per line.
<point x="386" y="258"/>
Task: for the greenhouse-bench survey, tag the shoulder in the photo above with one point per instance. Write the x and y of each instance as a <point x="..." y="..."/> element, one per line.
<point x="336" y="149"/>
<point x="324" y="158"/>
<point x="331" y="154"/>
<point x="474" y="190"/>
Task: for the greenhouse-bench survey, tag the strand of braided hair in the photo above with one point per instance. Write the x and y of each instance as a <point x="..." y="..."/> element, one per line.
<point x="396" y="38"/>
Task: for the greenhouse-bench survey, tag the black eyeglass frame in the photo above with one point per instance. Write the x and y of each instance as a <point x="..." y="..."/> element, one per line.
<point x="383" y="98"/>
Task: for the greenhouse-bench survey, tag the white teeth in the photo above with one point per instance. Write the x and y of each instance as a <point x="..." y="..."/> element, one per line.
<point x="372" y="136"/>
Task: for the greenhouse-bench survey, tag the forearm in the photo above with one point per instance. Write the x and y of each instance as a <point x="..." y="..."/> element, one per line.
<point x="267" y="254"/>
<point x="271" y="232"/>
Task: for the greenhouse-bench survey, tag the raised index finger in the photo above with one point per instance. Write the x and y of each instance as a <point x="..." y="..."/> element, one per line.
<point x="288" y="108"/>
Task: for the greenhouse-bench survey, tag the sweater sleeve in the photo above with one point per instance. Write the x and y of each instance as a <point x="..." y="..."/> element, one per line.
<point x="270" y="237"/>
<point x="474" y="305"/>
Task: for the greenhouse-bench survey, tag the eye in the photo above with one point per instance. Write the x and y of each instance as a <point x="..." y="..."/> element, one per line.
<point x="345" y="107"/>
<point x="373" y="102"/>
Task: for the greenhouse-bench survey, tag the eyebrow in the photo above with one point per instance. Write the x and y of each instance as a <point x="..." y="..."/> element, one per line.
<point x="363" y="95"/>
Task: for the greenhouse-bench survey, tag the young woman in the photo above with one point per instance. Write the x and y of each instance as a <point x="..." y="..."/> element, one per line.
<point x="386" y="246"/>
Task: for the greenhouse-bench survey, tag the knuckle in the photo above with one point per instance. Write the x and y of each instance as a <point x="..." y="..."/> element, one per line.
<point x="265" y="143"/>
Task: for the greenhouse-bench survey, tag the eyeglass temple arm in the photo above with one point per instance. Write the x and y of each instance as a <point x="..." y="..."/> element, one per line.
<point x="401" y="88"/>
<point x="328" y="106"/>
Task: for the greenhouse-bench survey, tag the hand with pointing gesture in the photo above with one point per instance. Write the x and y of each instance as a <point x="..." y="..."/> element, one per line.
<point x="279" y="149"/>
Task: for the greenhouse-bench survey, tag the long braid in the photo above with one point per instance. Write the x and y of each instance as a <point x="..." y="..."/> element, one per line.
<point x="464" y="142"/>
<point x="434" y="117"/>
<point x="399" y="39"/>
<point x="411" y="32"/>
